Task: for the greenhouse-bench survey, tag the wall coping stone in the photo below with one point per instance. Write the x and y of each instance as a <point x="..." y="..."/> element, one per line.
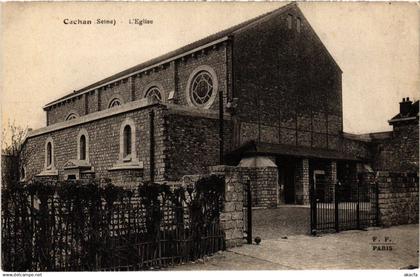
<point x="134" y="165"/>
<point x="127" y="107"/>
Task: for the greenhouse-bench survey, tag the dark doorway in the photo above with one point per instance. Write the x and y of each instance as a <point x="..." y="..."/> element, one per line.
<point x="286" y="167"/>
<point x="320" y="185"/>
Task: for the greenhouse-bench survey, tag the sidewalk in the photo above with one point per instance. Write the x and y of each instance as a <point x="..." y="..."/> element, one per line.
<point x="345" y="250"/>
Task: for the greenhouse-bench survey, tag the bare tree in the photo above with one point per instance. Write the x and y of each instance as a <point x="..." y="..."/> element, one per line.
<point x="13" y="137"/>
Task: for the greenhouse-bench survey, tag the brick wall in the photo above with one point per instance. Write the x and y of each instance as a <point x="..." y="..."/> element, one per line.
<point x="398" y="198"/>
<point x="290" y="84"/>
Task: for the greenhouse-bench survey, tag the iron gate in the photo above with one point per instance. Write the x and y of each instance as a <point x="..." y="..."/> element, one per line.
<point x="344" y="205"/>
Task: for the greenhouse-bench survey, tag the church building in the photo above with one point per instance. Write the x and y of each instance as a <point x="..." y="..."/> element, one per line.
<point x="264" y="95"/>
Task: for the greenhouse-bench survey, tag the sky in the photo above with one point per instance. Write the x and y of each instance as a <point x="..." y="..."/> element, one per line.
<point x="375" y="44"/>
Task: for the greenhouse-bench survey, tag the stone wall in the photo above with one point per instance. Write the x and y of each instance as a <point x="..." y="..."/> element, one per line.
<point x="400" y="152"/>
<point x="59" y="112"/>
<point x="264" y="184"/>
<point x="232" y="217"/>
<point x="398" y="198"/>
<point x="193" y="143"/>
<point x="104" y="146"/>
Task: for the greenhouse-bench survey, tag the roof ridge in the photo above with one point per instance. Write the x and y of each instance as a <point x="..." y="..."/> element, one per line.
<point x="188" y="47"/>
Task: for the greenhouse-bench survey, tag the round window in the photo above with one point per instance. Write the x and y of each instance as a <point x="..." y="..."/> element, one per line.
<point x="201" y="89"/>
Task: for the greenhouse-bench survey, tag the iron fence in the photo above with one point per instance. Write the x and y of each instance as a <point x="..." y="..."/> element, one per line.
<point x="345" y="205"/>
<point x="71" y="226"/>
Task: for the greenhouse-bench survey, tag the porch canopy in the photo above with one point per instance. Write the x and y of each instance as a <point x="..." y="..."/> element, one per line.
<point x="253" y="148"/>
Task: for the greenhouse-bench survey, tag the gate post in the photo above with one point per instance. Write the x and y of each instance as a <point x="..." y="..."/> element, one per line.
<point x="336" y="200"/>
<point x="249" y="212"/>
<point x="358" y="204"/>
<point x="313" y="209"/>
<point x="377" y="203"/>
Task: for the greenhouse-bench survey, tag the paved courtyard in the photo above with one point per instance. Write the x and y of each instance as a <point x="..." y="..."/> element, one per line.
<point x="285" y="220"/>
<point x="346" y="250"/>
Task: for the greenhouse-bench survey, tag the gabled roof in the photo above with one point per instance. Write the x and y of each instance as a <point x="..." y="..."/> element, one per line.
<point x="212" y="39"/>
<point x="175" y="53"/>
<point x="412" y="114"/>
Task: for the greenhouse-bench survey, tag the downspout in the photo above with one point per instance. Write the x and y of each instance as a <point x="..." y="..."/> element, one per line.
<point x="221" y="127"/>
<point x="152" y="146"/>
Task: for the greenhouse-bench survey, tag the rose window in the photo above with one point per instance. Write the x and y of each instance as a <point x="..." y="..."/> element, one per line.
<point x="201" y="88"/>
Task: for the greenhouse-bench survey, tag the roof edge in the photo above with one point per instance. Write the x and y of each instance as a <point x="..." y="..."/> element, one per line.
<point x="100" y="84"/>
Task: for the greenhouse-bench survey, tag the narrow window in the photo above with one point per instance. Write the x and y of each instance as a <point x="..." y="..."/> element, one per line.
<point x="83" y="147"/>
<point x="22" y="173"/>
<point x="127" y="141"/>
<point x="49" y="154"/>
<point x="298" y="24"/>
<point x="289" y="21"/>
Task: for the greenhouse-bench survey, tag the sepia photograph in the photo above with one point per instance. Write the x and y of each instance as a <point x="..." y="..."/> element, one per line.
<point x="204" y="136"/>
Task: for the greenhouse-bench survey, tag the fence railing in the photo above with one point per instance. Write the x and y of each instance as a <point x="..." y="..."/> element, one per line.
<point x="353" y="204"/>
<point x="73" y="226"/>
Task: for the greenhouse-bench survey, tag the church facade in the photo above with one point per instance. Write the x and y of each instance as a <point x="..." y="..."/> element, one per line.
<point x="264" y="95"/>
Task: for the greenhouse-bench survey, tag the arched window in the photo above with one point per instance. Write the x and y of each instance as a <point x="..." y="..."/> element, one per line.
<point x="83" y="145"/>
<point x="154" y="92"/>
<point x="298" y="24"/>
<point x="72" y="116"/>
<point x="114" y="103"/>
<point x="289" y="21"/>
<point x="128" y="151"/>
<point x="22" y="173"/>
<point x="49" y="154"/>
<point x="202" y="87"/>
<point x="127" y="141"/>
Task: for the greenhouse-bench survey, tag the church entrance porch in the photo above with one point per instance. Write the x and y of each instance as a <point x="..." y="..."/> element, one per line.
<point x="295" y="176"/>
<point x="292" y="216"/>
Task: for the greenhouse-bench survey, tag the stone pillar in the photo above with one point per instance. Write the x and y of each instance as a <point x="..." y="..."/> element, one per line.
<point x="302" y="182"/>
<point x="331" y="178"/>
<point x="232" y="216"/>
<point x="263" y="172"/>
